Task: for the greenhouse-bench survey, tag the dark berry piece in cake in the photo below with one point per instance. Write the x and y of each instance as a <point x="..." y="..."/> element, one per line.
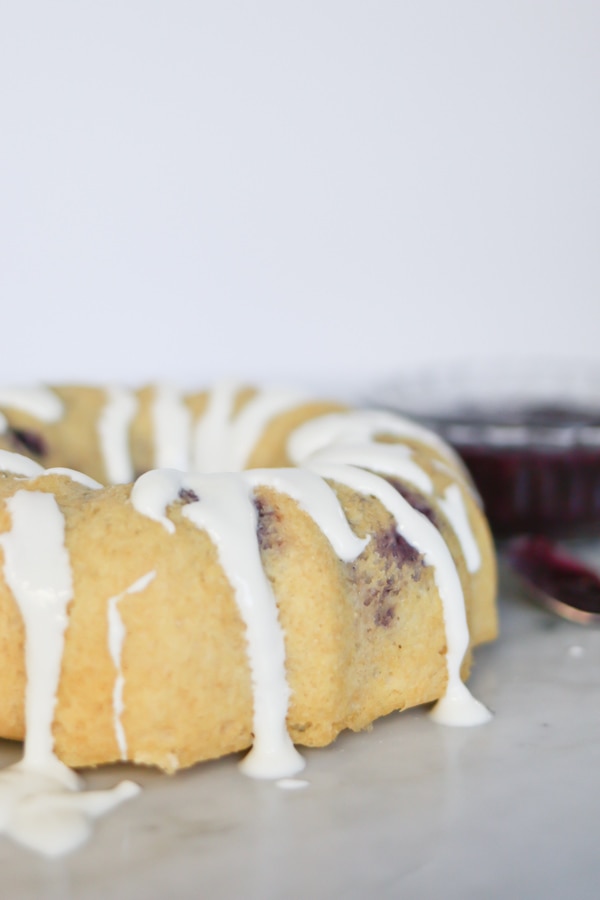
<point x="187" y="495"/>
<point x="378" y="585"/>
<point x="267" y="529"/>
<point x="416" y="500"/>
<point x="30" y="442"/>
<point x="393" y="547"/>
<point x="384" y="616"/>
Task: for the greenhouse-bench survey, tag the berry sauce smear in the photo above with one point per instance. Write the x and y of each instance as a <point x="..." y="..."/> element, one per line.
<point x="561" y="581"/>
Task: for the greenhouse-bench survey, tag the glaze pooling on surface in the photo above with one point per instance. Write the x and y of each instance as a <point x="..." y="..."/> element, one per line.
<point x="39" y="801"/>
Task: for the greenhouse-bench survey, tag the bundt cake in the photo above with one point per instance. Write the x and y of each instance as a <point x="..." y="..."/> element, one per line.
<point x="259" y="570"/>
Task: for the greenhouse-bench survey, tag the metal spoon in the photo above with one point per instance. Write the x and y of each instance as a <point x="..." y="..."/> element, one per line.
<point x="555" y="579"/>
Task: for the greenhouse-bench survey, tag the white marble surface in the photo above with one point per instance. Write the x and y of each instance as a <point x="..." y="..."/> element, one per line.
<point x="410" y="809"/>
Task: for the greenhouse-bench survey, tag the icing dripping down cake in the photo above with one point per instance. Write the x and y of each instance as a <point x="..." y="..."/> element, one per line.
<point x="237" y="569"/>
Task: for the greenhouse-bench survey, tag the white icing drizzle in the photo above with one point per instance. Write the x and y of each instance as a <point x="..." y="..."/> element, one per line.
<point x="113" y="431"/>
<point x="38" y="572"/>
<point x="17" y="464"/>
<point x="154" y="491"/>
<point x="253" y="418"/>
<point x="360" y="426"/>
<point x="330" y="446"/>
<point x="463" y="478"/>
<point x="39" y="801"/>
<point x="226" y="510"/>
<point x="396" y="460"/>
<point x="458" y="706"/>
<point x="227" y="513"/>
<point x="387" y="459"/>
<point x="171" y="421"/>
<point x="116" y="638"/>
<point x="209" y="451"/>
<point x="39" y="402"/>
<point x="230" y="518"/>
<point x="74" y="475"/>
<point x="224" y="442"/>
<point x="318" y="500"/>
<point x="338" y="447"/>
<point x="453" y="506"/>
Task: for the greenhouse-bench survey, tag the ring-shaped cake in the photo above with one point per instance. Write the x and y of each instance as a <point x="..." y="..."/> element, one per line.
<point x="237" y="568"/>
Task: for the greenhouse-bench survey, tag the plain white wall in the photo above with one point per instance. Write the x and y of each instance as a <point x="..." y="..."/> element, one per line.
<point x="318" y="192"/>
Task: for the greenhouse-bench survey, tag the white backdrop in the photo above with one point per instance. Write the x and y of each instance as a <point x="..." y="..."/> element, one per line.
<point x="318" y="192"/>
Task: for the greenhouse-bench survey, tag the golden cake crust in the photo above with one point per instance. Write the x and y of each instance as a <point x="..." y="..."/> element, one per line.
<point x="362" y="638"/>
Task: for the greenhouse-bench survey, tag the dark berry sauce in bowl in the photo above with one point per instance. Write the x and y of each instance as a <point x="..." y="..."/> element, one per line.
<point x="529" y="434"/>
<point x="537" y="468"/>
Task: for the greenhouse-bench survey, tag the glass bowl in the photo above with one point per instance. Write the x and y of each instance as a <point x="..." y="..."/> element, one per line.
<point x="529" y="434"/>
